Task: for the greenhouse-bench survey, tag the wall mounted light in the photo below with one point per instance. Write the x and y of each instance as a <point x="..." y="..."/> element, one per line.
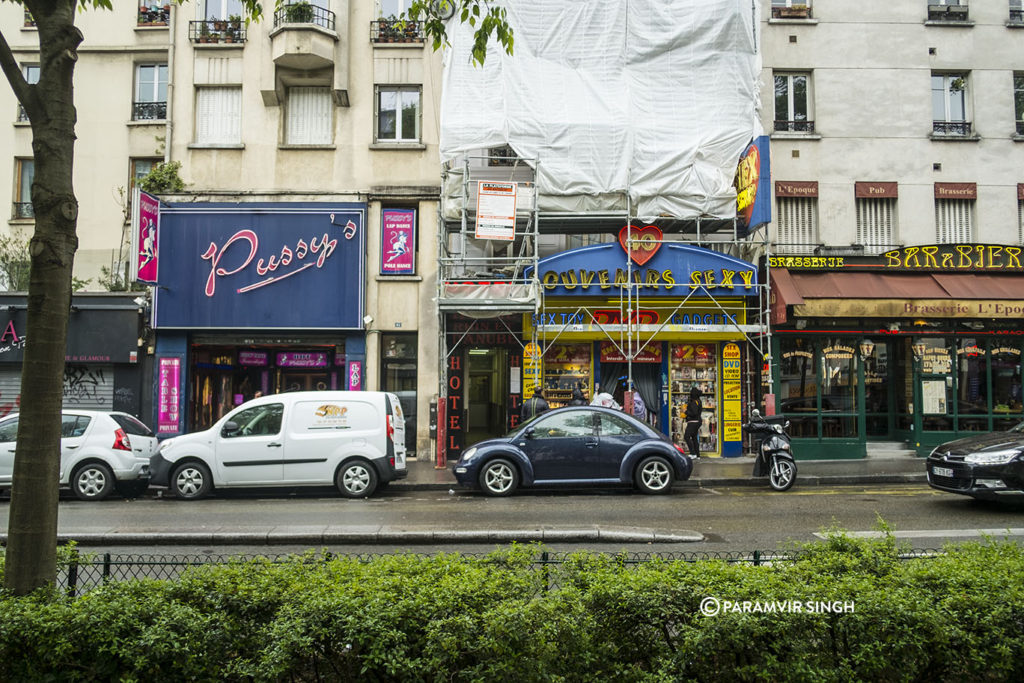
<point x="867" y="347"/>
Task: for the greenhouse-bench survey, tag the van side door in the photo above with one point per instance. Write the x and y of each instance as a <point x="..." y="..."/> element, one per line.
<point x="249" y="447"/>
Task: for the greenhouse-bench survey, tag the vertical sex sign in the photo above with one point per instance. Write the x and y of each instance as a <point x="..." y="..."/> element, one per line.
<point x="453" y="412"/>
<point x="168" y="394"/>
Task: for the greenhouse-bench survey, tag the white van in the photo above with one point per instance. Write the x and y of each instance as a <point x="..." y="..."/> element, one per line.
<point x="354" y="440"/>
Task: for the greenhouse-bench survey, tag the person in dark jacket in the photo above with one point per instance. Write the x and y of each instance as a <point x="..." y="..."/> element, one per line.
<point x="535" y="405"/>
<point x="693" y="409"/>
<point x="578" y="399"/>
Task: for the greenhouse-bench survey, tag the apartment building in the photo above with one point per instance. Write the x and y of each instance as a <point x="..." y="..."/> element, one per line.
<point x="301" y="253"/>
<point x="896" y="133"/>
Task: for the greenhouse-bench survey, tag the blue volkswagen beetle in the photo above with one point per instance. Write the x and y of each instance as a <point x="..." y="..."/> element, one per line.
<point x="575" y="445"/>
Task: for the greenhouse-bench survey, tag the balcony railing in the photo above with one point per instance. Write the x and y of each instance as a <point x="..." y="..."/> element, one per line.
<point x="149" y="111"/>
<point x="23" y="210"/>
<point x="1020" y="128"/>
<point x="154" y="16"/>
<point x="794" y="126"/>
<point x="304" y="13"/>
<point x="217" y="31"/>
<point x="947" y="12"/>
<point x="22" y="114"/>
<point x="952" y="129"/>
<point x="793" y="12"/>
<point x="1017" y="16"/>
<point x="29" y="21"/>
<point x="396" y="31"/>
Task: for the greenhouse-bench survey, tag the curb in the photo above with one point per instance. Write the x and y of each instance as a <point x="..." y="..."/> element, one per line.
<point x="382" y="536"/>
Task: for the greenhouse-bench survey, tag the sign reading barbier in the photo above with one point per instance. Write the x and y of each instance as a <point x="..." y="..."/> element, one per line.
<point x="934" y="257"/>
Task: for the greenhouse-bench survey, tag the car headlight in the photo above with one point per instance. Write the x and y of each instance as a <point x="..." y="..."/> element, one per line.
<point x="993" y="458"/>
<point x="165" y="446"/>
<point x="467" y="457"/>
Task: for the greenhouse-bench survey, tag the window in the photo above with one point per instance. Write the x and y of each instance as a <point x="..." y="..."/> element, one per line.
<point x="791" y="9"/>
<point x="575" y="424"/>
<point x="9" y="431"/>
<point x="949" y="105"/>
<point x="947" y="10"/>
<point x="25" y="173"/>
<point x="140" y="168"/>
<point x="219" y="115"/>
<point x="310" y="116"/>
<point x="875" y="219"/>
<point x="792" y="103"/>
<point x="398" y="114"/>
<point x="609" y="425"/>
<point x="221" y="9"/>
<point x="31" y="73"/>
<point x="1018" y="100"/>
<point x="1020" y="221"/>
<point x="73" y="426"/>
<point x="392" y="8"/>
<point x="953" y="221"/>
<point x="150" y="93"/>
<point x="262" y="420"/>
<point x="797" y="224"/>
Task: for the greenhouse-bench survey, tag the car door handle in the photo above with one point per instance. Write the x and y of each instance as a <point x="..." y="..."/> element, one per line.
<point x="273" y="445"/>
<point x="71" y="446"/>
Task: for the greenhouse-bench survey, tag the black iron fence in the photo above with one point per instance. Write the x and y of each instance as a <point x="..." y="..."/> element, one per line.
<point x="149" y="111"/>
<point x="85" y="571"/>
<point x="952" y="128"/>
<point x="396" y="31"/>
<point x="217" y="31"/>
<point x="23" y="210"/>
<point x="304" y="13"/>
<point x="794" y="126"/>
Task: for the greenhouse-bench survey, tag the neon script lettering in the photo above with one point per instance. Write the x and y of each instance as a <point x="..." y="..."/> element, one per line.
<point x="322" y="248"/>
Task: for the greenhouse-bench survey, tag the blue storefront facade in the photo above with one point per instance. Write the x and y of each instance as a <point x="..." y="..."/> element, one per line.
<point x="255" y="298"/>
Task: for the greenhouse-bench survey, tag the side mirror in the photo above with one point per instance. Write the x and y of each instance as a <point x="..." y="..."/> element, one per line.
<point x="528" y="434"/>
<point x="230" y="427"/>
<point x="755" y="414"/>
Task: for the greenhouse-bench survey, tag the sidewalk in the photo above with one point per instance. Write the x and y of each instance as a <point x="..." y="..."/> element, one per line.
<point x="424" y="476"/>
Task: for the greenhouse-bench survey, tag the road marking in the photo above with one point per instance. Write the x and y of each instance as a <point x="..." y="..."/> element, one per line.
<point x="933" y="533"/>
<point x="907" y="490"/>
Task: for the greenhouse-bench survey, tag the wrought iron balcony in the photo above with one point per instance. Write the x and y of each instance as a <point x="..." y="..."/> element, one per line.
<point x="1020" y="128"/>
<point x="217" y="31"/>
<point x="792" y="12"/>
<point x="149" y="111"/>
<point x="947" y="12"/>
<point x="304" y="13"/>
<point x="953" y="129"/>
<point x="1017" y="16"/>
<point x="23" y="210"/>
<point x="154" y="15"/>
<point x="396" y="31"/>
<point x="29" y="21"/>
<point x="22" y="114"/>
<point x="803" y="126"/>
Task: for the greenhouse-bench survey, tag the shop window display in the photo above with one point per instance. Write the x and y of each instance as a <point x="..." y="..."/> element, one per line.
<point x="838" y="388"/>
<point x="798" y="386"/>
<point x="1006" y="386"/>
<point x="972" y="385"/>
<point x="936" y="385"/>
<point x="567" y="366"/>
<point x="694" y="365"/>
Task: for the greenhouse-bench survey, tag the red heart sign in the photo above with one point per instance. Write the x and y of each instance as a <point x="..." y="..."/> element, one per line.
<point x="645" y="242"/>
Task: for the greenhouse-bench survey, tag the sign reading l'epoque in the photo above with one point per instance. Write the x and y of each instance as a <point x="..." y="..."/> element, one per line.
<point x="658" y="269"/>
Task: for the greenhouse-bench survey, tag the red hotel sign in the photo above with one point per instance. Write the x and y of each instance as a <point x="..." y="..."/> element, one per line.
<point x="956" y="190"/>
<point x="796" y="188"/>
<point x="870" y="190"/>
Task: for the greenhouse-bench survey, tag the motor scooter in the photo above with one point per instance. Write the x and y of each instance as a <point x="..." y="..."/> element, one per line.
<point x="774" y="452"/>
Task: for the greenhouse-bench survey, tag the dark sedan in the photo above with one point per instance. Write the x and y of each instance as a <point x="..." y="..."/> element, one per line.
<point x="987" y="466"/>
<point x="577" y="445"/>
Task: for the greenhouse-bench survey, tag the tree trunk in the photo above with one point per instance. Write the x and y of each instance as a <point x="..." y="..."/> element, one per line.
<point x="32" y="527"/>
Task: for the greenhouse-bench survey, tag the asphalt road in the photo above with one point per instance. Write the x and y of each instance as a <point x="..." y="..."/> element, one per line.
<point x="728" y="519"/>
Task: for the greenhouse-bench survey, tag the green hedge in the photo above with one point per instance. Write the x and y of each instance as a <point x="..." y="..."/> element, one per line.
<point x="957" y="616"/>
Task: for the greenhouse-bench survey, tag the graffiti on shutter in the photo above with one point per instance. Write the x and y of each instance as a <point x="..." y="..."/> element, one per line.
<point x="89" y="386"/>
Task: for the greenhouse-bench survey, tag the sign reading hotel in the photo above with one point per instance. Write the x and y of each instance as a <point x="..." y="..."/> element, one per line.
<point x="496" y="210"/>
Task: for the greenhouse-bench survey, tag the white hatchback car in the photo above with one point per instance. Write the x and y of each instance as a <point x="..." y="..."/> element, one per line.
<point x="98" y="451"/>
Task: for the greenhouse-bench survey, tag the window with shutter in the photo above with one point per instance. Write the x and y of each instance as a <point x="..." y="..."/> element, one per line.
<point x="219" y="115"/>
<point x="953" y="221"/>
<point x="310" y="116"/>
<point x="1020" y="221"/>
<point x="875" y="224"/>
<point x="796" y="224"/>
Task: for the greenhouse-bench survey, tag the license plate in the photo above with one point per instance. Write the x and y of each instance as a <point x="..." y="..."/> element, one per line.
<point x="942" y="472"/>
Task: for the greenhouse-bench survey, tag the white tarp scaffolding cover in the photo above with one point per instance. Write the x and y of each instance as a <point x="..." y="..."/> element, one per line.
<point x="656" y="99"/>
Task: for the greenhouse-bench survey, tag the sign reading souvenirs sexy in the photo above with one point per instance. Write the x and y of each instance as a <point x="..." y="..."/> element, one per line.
<point x="658" y="269"/>
<point x="261" y="265"/>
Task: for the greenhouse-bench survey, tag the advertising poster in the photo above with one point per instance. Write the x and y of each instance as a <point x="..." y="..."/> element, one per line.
<point x="355" y="376"/>
<point x="398" y="242"/>
<point x="732" y="432"/>
<point x="496" y="210"/>
<point x="145" y="233"/>
<point x="168" y="393"/>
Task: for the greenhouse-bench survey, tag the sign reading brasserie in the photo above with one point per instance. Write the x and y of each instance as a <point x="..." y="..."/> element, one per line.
<point x="934" y="257"/>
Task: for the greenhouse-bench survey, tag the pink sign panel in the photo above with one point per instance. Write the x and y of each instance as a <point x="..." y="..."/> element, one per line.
<point x="167" y="395"/>
<point x="310" y="359"/>
<point x="398" y="241"/>
<point x="253" y="358"/>
<point x="146" y="240"/>
<point x="355" y="376"/>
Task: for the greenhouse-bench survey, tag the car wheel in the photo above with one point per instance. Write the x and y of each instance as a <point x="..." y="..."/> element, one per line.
<point x="499" y="478"/>
<point x="357" y="479"/>
<point x="654" y="475"/>
<point x="92" y="481"/>
<point x="191" y="481"/>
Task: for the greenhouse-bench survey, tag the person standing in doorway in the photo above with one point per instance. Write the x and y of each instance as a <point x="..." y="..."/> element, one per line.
<point x="693" y="410"/>
<point x="578" y="399"/>
<point x="535" y="405"/>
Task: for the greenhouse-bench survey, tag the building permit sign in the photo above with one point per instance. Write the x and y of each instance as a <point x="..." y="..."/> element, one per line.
<point x="496" y="210"/>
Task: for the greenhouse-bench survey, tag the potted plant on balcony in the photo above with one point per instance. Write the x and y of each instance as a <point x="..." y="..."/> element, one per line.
<point x="204" y="32"/>
<point x="299" y="13"/>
